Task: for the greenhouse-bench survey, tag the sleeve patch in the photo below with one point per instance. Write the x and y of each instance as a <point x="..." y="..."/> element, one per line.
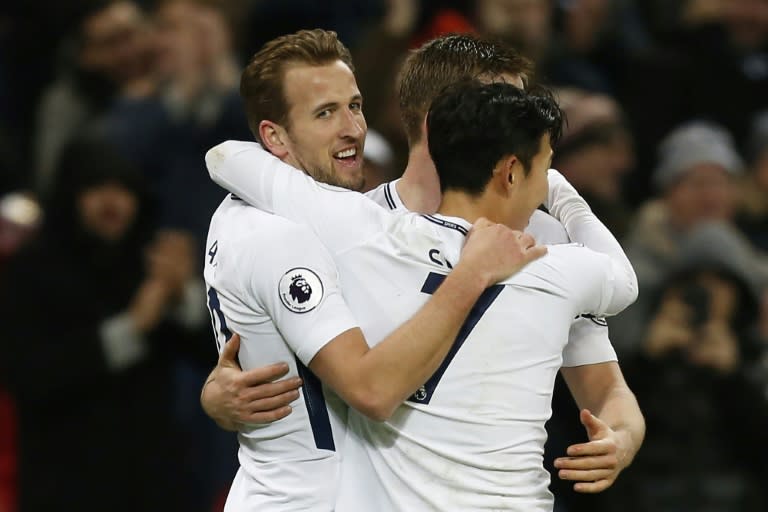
<point x="300" y="290"/>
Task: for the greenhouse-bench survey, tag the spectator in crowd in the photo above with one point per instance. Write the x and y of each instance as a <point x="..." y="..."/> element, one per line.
<point x="716" y="68"/>
<point x="195" y="105"/>
<point x="697" y="176"/>
<point x="700" y="386"/>
<point x="595" y="153"/>
<point x="108" y="57"/>
<point x="95" y="309"/>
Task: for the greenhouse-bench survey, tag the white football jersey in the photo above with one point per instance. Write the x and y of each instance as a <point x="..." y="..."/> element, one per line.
<point x="472" y="437"/>
<point x="272" y="281"/>
<point x="588" y="341"/>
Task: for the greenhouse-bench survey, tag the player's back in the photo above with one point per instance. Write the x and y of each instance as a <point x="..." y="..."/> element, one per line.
<point x="293" y="463"/>
<point x="472" y="438"/>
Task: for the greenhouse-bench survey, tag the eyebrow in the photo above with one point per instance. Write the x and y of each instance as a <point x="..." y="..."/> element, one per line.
<point x="332" y="104"/>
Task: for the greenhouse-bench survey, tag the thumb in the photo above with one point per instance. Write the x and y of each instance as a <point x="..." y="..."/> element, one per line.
<point x="228" y="356"/>
<point x="594" y="425"/>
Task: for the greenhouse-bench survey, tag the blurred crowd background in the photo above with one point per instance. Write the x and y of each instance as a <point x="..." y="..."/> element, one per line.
<point x="106" y="110"/>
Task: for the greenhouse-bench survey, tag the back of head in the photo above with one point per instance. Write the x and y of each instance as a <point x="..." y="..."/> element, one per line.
<point x="261" y="85"/>
<point x="472" y="126"/>
<point x="445" y="61"/>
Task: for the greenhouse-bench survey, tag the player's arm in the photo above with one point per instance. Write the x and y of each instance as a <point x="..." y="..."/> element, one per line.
<point x="266" y="182"/>
<point x="376" y="380"/>
<point x="614" y="423"/>
<point x="583" y="227"/>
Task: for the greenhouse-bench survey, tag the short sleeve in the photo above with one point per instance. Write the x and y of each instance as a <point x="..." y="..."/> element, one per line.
<point x="297" y="283"/>
<point x="588" y="342"/>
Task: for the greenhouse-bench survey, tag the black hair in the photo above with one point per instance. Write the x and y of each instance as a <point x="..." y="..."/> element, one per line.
<point x="471" y="126"/>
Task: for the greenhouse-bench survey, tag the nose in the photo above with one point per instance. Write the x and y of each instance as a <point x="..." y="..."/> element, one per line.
<point x="353" y="124"/>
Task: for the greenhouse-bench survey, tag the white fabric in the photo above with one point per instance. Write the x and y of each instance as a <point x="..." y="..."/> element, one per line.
<point x="293" y="463"/>
<point x="479" y="442"/>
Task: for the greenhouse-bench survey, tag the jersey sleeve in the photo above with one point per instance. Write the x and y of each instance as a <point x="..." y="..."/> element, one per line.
<point x="598" y="283"/>
<point x="588" y="342"/>
<point x="583" y="227"/>
<point x="266" y="182"/>
<point x="297" y="283"/>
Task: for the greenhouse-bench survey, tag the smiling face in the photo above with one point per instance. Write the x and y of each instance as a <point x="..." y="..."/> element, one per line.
<point x="325" y="132"/>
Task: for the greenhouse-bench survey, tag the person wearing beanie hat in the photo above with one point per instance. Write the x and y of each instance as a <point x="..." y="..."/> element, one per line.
<point x="700" y="376"/>
<point x="695" y="144"/>
<point x="696" y="175"/>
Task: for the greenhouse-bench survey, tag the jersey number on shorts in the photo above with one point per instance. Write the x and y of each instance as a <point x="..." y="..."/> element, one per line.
<point x="424" y="394"/>
<point x="220" y="329"/>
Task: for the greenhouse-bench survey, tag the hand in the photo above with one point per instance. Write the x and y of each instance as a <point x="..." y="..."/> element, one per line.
<point x="232" y="397"/>
<point x="670" y="328"/>
<point x="717" y="347"/>
<point x="149" y="304"/>
<point x="594" y="465"/>
<point x="495" y="252"/>
<point x="171" y="258"/>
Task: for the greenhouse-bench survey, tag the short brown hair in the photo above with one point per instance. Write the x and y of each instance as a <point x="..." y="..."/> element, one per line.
<point x="443" y="62"/>
<point x="261" y="85"/>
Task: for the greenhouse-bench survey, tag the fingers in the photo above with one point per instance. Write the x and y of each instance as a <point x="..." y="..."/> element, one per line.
<point x="593" y="487"/>
<point x="592" y="475"/>
<point x="254" y="393"/>
<point x="592" y="448"/>
<point x="262" y="418"/>
<point x="608" y="461"/>
<point x="264" y="374"/>
<point x="231" y="347"/>
<point x="596" y="428"/>
<point x="535" y="252"/>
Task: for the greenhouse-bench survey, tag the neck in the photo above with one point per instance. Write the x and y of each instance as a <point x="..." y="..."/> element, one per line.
<point x="419" y="188"/>
<point x="471" y="208"/>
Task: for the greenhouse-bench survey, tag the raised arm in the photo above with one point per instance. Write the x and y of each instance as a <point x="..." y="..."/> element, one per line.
<point x="583" y="227"/>
<point x="266" y="182"/>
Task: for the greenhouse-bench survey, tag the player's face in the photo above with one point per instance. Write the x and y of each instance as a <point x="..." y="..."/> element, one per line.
<point x="107" y="210"/>
<point x="326" y="127"/>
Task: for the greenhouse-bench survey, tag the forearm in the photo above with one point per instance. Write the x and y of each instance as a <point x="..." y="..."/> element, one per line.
<point x="601" y="388"/>
<point x="620" y="410"/>
<point x="399" y="365"/>
<point x="245" y="169"/>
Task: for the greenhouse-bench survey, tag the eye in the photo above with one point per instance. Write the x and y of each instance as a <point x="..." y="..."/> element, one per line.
<point x="356" y="105"/>
<point x="324" y="113"/>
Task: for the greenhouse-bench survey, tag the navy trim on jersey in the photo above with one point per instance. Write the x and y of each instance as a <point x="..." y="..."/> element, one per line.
<point x="388" y="197"/>
<point x="316" y="408"/>
<point x="234" y="197"/>
<point x="447" y="224"/>
<point x="433" y="282"/>
<point x="597" y="320"/>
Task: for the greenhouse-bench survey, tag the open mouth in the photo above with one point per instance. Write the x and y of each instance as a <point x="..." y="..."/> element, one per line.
<point x="348" y="157"/>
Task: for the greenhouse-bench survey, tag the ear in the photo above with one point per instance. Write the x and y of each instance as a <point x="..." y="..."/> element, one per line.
<point x="274" y="137"/>
<point x="507" y="173"/>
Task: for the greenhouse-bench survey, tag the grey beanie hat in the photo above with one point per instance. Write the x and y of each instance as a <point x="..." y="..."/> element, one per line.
<point x="695" y="143"/>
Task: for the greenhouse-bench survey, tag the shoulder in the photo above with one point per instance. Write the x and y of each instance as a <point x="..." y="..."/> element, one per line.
<point x="386" y="196"/>
<point x="546" y="229"/>
<point x="246" y="230"/>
